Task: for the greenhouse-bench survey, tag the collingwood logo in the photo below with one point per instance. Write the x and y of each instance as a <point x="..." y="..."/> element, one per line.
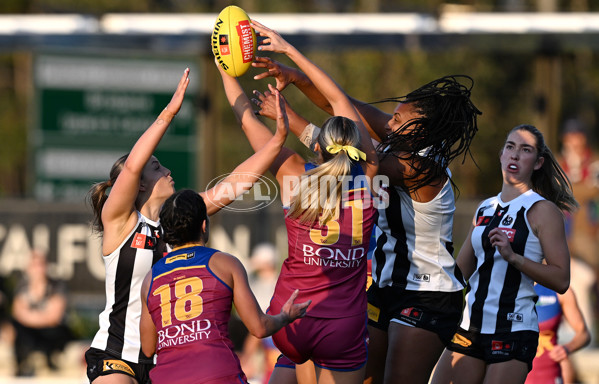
<point x="507" y="220"/>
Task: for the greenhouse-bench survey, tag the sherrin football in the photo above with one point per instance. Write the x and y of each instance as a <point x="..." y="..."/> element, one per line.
<point x="233" y="41"/>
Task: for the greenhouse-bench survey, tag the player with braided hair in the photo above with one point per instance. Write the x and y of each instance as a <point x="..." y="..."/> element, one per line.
<point x="443" y="129"/>
<point x="415" y="300"/>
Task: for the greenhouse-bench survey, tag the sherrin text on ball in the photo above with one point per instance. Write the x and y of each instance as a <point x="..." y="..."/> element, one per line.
<point x="233" y="41"/>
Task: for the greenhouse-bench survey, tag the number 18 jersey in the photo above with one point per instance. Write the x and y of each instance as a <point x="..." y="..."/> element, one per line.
<point x="190" y="307"/>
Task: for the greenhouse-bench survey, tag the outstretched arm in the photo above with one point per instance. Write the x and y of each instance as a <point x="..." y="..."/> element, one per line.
<point x="266" y="103"/>
<point x="257" y="322"/>
<point x="287" y="162"/>
<point x="285" y="75"/>
<point x="373" y="118"/>
<point x="120" y="202"/>
<point x="247" y="173"/>
<point x="336" y="97"/>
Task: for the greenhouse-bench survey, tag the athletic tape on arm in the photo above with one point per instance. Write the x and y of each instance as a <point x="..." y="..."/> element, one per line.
<point x="309" y="135"/>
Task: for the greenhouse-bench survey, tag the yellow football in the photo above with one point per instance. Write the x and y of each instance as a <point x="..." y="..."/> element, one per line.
<point x="233" y="41"/>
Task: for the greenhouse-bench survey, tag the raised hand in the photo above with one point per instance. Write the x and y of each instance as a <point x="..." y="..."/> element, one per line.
<point x="282" y="74"/>
<point x="177" y="100"/>
<point x="273" y="41"/>
<point x="267" y="102"/>
<point x="282" y="120"/>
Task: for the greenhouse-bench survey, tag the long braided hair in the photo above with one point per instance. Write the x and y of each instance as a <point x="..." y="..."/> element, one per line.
<point x="443" y="132"/>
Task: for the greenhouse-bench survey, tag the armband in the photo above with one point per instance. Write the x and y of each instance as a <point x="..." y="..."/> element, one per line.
<point x="309" y="135"/>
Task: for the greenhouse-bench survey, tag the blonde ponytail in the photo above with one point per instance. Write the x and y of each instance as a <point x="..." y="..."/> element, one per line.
<point x="319" y="192"/>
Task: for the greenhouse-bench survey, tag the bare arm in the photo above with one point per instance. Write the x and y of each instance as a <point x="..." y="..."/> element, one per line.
<point x="573" y="316"/>
<point x="547" y="223"/>
<point x="50" y="315"/>
<point x="287" y="162"/>
<point x="466" y="259"/>
<point x="247" y="173"/>
<point x="337" y="98"/>
<point x="120" y="203"/>
<point x="257" y="322"/>
<point x="373" y="118"/>
<point x="147" y="329"/>
<point x="267" y="103"/>
<point x="285" y="75"/>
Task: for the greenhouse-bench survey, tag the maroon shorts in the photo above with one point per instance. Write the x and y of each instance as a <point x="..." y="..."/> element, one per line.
<point x="335" y="344"/>
<point x="233" y="379"/>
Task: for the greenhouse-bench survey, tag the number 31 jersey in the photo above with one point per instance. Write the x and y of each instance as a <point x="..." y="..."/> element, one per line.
<point x="327" y="263"/>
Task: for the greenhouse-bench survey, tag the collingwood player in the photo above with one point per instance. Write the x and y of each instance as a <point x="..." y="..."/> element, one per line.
<point x="516" y="238"/>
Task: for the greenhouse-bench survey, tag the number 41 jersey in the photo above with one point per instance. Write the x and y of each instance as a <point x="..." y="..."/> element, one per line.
<point x="190" y="307"/>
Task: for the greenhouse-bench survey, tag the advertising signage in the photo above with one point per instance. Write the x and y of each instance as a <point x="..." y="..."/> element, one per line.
<point x="91" y="110"/>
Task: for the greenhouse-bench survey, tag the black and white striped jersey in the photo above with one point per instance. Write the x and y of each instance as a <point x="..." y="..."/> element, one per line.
<point x="126" y="269"/>
<point x="499" y="297"/>
<point x="414" y="247"/>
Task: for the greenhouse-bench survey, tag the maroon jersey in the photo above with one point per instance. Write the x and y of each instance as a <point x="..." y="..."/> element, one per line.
<point x="190" y="307"/>
<point x="327" y="263"/>
<point x="549" y="309"/>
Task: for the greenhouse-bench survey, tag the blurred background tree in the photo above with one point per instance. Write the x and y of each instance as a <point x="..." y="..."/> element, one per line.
<point x="506" y="84"/>
<point x="98" y="7"/>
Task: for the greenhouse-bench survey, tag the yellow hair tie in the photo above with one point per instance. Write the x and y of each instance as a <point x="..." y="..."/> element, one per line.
<point x="353" y="152"/>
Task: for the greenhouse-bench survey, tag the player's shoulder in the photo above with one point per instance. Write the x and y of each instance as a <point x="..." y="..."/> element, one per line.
<point x="227" y="267"/>
<point x="225" y="261"/>
<point x="543" y="212"/>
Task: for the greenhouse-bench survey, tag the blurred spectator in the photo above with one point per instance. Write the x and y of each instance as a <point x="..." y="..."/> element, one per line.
<point x="4" y="309"/>
<point x="581" y="163"/>
<point x="6" y="329"/>
<point x="38" y="312"/>
<point x="263" y="277"/>
<point x="264" y="273"/>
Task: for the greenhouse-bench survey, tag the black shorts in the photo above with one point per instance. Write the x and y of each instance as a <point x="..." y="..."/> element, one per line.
<point x="498" y="347"/>
<point x="438" y="312"/>
<point x="100" y="363"/>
